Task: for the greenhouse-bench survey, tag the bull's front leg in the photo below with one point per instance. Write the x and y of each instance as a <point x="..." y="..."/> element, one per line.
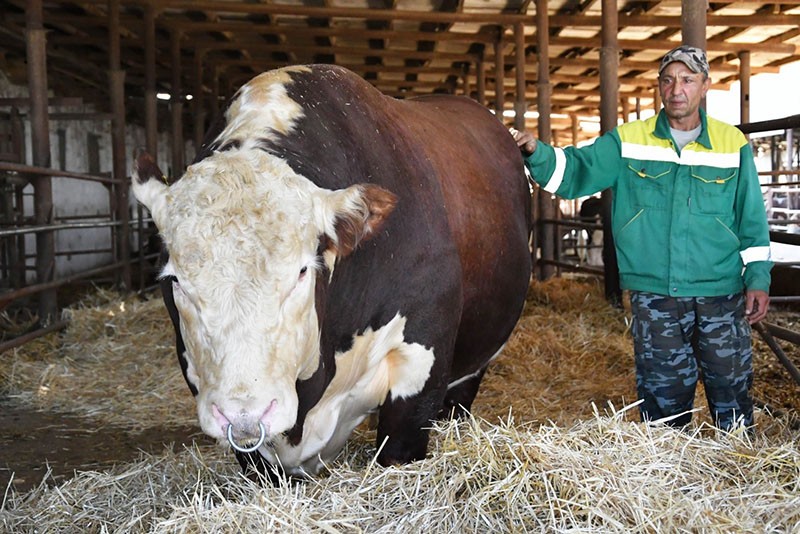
<point x="404" y="425"/>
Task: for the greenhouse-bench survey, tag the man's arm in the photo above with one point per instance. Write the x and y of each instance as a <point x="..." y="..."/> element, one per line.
<point x="571" y="172"/>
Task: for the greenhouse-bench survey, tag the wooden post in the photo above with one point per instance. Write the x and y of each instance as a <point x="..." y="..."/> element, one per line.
<point x="176" y="105"/>
<point x="609" y="97"/>
<point x="693" y="26"/>
<point x="744" y="83"/>
<point x="498" y="77"/>
<point x="573" y="118"/>
<point x="198" y="107"/>
<point x="480" y="82"/>
<point x="520" y="106"/>
<point x="116" y="80"/>
<point x="36" y="55"/>
<point x="547" y="204"/>
<point x="150" y="101"/>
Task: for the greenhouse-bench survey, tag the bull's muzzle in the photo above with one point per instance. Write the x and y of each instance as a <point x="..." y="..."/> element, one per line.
<point x="262" y="437"/>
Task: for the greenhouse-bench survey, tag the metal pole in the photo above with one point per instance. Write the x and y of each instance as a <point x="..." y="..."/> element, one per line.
<point x="40" y="144"/>
<point x="116" y="79"/>
<point x="766" y="334"/>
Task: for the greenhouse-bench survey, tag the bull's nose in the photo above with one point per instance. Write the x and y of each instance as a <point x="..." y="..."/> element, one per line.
<point x="243" y="425"/>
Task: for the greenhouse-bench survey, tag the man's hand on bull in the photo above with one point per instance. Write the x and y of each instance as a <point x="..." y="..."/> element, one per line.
<point x="525" y="141"/>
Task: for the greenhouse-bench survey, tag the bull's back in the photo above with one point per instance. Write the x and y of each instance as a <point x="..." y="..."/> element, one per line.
<point x="461" y="187"/>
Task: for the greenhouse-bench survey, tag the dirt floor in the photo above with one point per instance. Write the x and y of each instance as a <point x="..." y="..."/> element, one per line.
<point x="37" y="444"/>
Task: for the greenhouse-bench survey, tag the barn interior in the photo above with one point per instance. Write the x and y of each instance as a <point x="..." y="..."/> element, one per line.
<point x="83" y="83"/>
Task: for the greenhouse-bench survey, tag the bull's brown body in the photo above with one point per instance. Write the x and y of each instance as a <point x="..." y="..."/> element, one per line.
<point x="451" y="252"/>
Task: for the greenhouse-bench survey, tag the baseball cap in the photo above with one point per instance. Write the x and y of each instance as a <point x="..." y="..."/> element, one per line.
<point x="692" y="57"/>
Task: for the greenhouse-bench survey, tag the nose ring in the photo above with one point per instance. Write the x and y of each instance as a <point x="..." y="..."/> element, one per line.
<point x="255" y="447"/>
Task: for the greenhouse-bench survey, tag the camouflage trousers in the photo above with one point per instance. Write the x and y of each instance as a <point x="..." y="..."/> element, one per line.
<point x="672" y="337"/>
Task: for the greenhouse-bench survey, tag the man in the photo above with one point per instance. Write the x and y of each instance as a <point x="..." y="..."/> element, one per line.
<point x="691" y="236"/>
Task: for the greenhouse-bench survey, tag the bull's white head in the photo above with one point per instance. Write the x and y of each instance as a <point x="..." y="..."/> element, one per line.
<point x="249" y="241"/>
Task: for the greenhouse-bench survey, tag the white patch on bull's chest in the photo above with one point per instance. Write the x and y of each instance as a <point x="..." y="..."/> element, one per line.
<point x="379" y="363"/>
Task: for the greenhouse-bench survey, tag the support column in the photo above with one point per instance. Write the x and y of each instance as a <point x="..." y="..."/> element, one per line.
<point x="116" y="80"/>
<point x="520" y="105"/>
<point x="499" y="71"/>
<point x="176" y="105"/>
<point x="693" y="26"/>
<point x="215" y="111"/>
<point x="547" y="204"/>
<point x="744" y="82"/>
<point x="198" y="108"/>
<point x="36" y="54"/>
<point x="575" y="124"/>
<point x="480" y="80"/>
<point x="150" y="101"/>
<point x="609" y="97"/>
<point x="693" y="22"/>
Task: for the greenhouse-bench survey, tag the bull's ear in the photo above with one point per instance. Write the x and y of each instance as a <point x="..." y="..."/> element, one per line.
<point x="149" y="185"/>
<point x="359" y="213"/>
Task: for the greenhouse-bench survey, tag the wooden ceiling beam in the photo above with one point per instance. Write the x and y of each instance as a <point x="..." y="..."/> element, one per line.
<point x="332" y="12"/>
<point x="666" y="45"/>
<point x="583" y="21"/>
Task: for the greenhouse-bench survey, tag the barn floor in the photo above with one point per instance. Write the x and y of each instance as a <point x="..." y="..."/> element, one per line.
<point x="35" y="442"/>
<point x="55" y="411"/>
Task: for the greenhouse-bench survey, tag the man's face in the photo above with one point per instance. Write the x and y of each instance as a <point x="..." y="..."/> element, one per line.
<point x="681" y="91"/>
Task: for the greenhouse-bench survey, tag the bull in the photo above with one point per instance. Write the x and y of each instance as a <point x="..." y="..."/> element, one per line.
<point x="334" y="253"/>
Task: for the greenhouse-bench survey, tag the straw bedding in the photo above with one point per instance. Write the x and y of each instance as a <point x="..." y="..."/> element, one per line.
<point x="553" y="445"/>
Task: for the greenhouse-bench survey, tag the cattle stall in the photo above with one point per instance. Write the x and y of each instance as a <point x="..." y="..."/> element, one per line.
<point x="100" y="432"/>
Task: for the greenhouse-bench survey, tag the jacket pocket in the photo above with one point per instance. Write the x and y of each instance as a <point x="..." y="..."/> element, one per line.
<point x="713" y="190"/>
<point x="648" y="184"/>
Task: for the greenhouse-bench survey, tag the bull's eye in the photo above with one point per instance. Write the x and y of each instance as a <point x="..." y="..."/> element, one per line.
<point x="303" y="271"/>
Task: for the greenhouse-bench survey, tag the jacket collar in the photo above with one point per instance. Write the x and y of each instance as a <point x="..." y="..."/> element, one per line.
<point x="662" y="128"/>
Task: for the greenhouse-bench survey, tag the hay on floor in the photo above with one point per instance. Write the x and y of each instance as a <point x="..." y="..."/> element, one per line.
<point x="541" y="454"/>
<point x="604" y="474"/>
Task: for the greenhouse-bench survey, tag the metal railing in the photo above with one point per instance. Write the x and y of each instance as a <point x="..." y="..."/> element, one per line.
<point x="15" y="228"/>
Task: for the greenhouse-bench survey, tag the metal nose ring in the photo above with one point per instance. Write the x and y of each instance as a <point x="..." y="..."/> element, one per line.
<point x="255" y="447"/>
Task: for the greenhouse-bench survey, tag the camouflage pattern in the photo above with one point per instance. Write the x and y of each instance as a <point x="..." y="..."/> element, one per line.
<point x="671" y="336"/>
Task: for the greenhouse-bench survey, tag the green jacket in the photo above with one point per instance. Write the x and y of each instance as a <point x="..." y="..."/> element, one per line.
<point x="686" y="224"/>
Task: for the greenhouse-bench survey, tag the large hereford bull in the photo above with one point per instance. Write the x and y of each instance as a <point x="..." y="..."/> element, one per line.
<point x="334" y="252"/>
